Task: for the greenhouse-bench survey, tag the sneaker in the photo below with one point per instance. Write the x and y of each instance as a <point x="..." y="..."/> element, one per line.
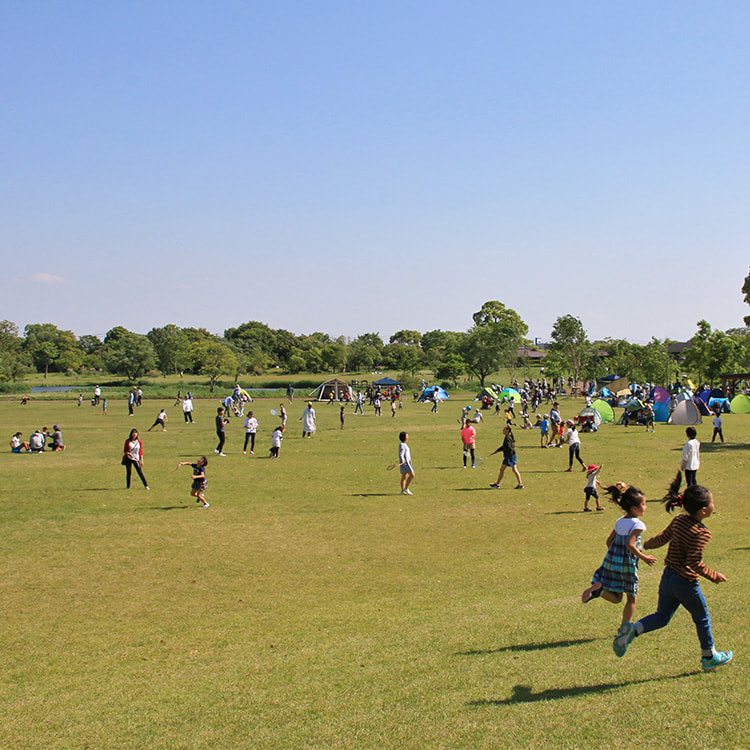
<point x="518" y="487"/>
<point x="404" y="492"/>
<point x="244" y="453"/>
<point x="409" y="492"/>
<point x="252" y="453"/>
<point x="623" y="638"/>
<point x="216" y="451"/>
<point x="594" y="590"/>
<point x="568" y="470"/>
<point x="222" y="454"/>
<point x="717" y="660"/>
<point x="147" y="487"/>
<point x="600" y="507"/>
<point x="495" y="485"/>
<point x="205" y="505"/>
<point x="587" y="510"/>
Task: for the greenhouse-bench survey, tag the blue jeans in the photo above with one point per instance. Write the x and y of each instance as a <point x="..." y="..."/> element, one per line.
<point x="690" y="477"/>
<point x="673" y="591"/>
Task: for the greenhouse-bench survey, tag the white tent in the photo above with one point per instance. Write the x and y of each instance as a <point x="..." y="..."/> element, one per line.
<point x="686" y="412"/>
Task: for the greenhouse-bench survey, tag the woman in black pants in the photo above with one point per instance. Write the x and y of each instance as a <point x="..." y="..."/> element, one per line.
<point x="133" y="457"/>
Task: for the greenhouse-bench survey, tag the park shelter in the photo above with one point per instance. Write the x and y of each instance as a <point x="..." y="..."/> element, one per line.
<point x="605" y="410"/>
<point x="334" y="389"/>
<point x="686" y="412"/>
<point x="740" y="404"/>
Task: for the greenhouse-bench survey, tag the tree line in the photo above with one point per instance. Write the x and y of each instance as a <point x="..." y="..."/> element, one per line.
<point x="496" y="339"/>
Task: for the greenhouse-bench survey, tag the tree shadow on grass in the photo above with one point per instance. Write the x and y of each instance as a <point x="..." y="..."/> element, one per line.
<point x="526" y="694"/>
<point x="721" y="447"/>
<point x="529" y="647"/>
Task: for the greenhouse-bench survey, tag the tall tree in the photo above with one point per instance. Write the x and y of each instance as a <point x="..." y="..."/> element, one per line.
<point x="497" y="334"/>
<point x="14" y="362"/>
<point x="51" y="348"/>
<point x="746" y="292"/>
<point x="127" y="353"/>
<point x="213" y="359"/>
<point x="172" y="347"/>
<point x="570" y="343"/>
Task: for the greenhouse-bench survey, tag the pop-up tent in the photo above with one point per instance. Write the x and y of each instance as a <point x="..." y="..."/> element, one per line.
<point x="606" y="411"/>
<point x="333" y="388"/>
<point x="661" y="412"/>
<point x="660" y="394"/>
<point x="686" y="412"/>
<point x="740" y="404"/>
<point x="510" y="394"/>
<point x="428" y="394"/>
<point x="589" y="413"/>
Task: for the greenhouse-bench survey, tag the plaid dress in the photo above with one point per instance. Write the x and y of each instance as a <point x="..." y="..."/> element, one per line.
<point x="619" y="571"/>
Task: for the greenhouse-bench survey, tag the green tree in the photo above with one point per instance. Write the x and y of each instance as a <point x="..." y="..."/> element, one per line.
<point x="213" y="359"/>
<point x="253" y="337"/>
<point x="570" y="343"/>
<point x="451" y="367"/>
<point x="127" y="353"/>
<point x="406" y="337"/>
<point x="172" y="347"/>
<point x="495" y="338"/>
<point x="14" y="362"/>
<point x="51" y="348"/>
<point x="746" y="292"/>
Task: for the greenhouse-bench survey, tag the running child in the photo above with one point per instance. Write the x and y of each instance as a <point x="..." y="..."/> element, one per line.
<point x="199" y="479"/>
<point x="618" y="573"/>
<point x="592" y="479"/>
<point x="687" y="538"/>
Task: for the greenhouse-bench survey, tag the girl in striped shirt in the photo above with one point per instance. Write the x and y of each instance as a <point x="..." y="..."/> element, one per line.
<point x="687" y="538"/>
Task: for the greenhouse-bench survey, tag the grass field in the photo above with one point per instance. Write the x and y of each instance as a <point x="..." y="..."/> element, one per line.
<point x="313" y="606"/>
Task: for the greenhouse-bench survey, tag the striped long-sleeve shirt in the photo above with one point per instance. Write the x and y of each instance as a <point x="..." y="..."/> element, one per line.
<point x="687" y="539"/>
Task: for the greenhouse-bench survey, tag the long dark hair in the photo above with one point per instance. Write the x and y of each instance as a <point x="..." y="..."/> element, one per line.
<point x="625" y="496"/>
<point x="692" y="500"/>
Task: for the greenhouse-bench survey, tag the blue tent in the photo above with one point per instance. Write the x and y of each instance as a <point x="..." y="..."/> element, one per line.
<point x="661" y="412"/>
<point x="428" y="394"/>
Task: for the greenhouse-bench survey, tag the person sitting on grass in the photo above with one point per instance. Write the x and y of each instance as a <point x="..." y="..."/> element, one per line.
<point x="17" y="445"/>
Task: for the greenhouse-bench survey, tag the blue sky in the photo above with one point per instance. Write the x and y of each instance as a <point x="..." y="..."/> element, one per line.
<point x="350" y="167"/>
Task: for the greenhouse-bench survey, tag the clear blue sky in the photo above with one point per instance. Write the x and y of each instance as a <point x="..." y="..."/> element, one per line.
<point x="350" y="167"/>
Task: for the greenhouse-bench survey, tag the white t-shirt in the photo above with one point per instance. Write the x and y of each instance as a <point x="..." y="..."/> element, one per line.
<point x="717" y="423"/>
<point x="187" y="405"/>
<point x="251" y="424"/>
<point x="571" y="436"/>
<point x="625" y="526"/>
<point x="691" y="455"/>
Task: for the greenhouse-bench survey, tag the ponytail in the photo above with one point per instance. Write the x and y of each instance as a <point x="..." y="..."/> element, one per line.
<point x="692" y="500"/>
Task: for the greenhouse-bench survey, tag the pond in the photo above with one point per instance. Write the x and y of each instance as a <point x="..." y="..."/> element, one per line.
<point x="51" y="388"/>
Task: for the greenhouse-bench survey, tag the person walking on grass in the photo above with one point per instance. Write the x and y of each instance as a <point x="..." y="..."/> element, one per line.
<point x="276" y="437"/>
<point x="573" y="439"/>
<point x="221" y="423"/>
<point x="160" y="420"/>
<point x="132" y="458"/>
<point x="187" y="408"/>
<point x="509" y="458"/>
<point x="469" y="439"/>
<point x="199" y="479"/>
<point x="251" y="430"/>
<point x="404" y="463"/>
<point x="308" y="421"/>
<point x="618" y="574"/>
<point x="687" y="538"/>
<point x="691" y="457"/>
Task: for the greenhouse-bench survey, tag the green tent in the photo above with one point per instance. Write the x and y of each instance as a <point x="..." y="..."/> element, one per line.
<point x="607" y="412"/>
<point x="740" y="404"/>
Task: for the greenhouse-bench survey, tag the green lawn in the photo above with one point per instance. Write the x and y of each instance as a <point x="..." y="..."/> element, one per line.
<point x="313" y="606"/>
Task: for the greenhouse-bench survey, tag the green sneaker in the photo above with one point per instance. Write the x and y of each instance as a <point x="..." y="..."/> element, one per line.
<point x="623" y="638"/>
<point x="719" y="659"/>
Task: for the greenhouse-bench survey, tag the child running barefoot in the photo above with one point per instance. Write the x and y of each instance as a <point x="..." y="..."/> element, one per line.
<point x="199" y="479"/>
<point x="618" y="573"/>
<point x="687" y="538"/>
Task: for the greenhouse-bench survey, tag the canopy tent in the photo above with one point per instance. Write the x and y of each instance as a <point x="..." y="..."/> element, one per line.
<point x="387" y="382"/>
<point x="334" y="389"/>
<point x="661" y="412"/>
<point x="428" y="394"/>
<point x="740" y="404"/>
<point x="686" y="412"/>
<point x="605" y="410"/>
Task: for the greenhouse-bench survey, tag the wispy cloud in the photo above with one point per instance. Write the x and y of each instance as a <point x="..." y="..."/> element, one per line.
<point x="48" y="278"/>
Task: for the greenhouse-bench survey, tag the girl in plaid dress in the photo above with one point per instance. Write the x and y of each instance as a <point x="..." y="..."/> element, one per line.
<point x="618" y="573"/>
